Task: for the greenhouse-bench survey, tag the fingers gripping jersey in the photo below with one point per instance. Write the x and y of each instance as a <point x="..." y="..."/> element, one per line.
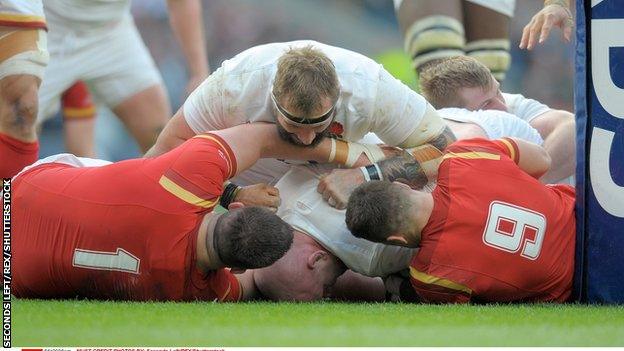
<point x="123" y="231"/>
<point x="495" y="234"/>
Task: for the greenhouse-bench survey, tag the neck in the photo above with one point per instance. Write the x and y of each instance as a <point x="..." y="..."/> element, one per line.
<point x="207" y="256"/>
<point x="423" y="201"/>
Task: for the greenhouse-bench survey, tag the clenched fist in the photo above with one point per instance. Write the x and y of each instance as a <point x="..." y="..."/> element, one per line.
<point x="259" y="195"/>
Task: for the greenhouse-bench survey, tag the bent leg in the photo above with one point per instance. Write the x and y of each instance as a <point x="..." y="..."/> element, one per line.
<point x="23" y="57"/>
<point x="18" y="111"/>
<point x="145" y="115"/>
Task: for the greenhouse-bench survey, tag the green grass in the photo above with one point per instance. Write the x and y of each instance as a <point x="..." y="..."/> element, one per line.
<point x="89" y="323"/>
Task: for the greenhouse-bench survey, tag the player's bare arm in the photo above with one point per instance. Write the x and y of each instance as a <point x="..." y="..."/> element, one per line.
<point x="175" y="133"/>
<point x="411" y="168"/>
<point x="252" y="141"/>
<point x="533" y="159"/>
<point x="558" y="129"/>
<point x="185" y="18"/>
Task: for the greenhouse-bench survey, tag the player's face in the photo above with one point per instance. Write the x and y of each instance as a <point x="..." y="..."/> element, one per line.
<point x="483" y="99"/>
<point x="290" y="281"/>
<point x="301" y="136"/>
<point x="304" y="134"/>
<point x="326" y="273"/>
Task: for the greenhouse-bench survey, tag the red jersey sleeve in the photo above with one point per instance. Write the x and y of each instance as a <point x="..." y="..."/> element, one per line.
<point x="197" y="173"/>
<point x="479" y="148"/>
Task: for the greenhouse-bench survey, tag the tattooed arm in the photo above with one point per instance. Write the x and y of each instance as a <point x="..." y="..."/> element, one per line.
<point x="419" y="165"/>
<point x="414" y="167"/>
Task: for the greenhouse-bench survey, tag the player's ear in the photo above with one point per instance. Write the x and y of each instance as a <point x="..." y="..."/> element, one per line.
<point x="316" y="257"/>
<point x="396" y="239"/>
<point x="235" y="205"/>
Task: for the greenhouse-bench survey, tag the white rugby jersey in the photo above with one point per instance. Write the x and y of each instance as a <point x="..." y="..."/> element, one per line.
<point x="371" y="100"/>
<point x="304" y="208"/>
<point x="525" y="108"/>
<point x="495" y="123"/>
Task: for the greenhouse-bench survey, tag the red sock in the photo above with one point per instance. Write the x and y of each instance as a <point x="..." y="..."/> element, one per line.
<point x="15" y="155"/>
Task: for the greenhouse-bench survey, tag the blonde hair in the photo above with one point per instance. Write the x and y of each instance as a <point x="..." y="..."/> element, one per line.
<point x="304" y="77"/>
<point x="441" y="82"/>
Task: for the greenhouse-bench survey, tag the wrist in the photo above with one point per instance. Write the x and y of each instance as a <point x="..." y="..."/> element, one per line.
<point x="371" y="172"/>
<point x="230" y="192"/>
<point x="562" y="3"/>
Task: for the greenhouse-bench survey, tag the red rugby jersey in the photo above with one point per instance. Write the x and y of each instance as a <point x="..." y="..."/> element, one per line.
<point x="496" y="234"/>
<point x="123" y="231"/>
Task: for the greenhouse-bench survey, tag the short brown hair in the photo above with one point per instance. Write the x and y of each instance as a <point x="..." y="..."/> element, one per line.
<point x="440" y="83"/>
<point x="251" y="237"/>
<point x="377" y="210"/>
<point x="304" y="76"/>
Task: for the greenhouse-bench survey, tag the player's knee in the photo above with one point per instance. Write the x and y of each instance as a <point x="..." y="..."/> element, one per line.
<point x="20" y="117"/>
<point x="26" y="108"/>
<point x="493" y="53"/>
<point x="433" y="38"/>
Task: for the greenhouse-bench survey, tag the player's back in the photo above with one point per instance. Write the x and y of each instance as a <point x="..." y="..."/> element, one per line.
<point x="121" y="231"/>
<point x="497" y="233"/>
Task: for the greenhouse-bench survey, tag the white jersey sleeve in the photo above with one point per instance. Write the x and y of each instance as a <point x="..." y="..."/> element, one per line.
<point x="398" y="110"/>
<point x="304" y="208"/>
<point x="525" y="108"/>
<point x="496" y="124"/>
<point x="203" y="109"/>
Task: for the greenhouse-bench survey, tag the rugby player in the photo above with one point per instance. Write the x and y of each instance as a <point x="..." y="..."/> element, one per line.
<point x="144" y="229"/>
<point x="489" y="232"/>
<point x="23" y="57"/>
<point x="323" y="247"/>
<point x="97" y="42"/>
<point x="466" y="83"/>
<point x="309" y="90"/>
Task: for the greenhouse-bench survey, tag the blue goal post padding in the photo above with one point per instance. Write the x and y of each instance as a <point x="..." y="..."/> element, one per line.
<point x="599" y="102"/>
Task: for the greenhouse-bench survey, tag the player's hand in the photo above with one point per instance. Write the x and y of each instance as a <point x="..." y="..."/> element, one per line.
<point x="542" y="23"/>
<point x="337" y="186"/>
<point x="259" y="195"/>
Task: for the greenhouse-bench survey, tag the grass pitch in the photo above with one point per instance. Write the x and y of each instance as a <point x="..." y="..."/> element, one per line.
<point x="91" y="323"/>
